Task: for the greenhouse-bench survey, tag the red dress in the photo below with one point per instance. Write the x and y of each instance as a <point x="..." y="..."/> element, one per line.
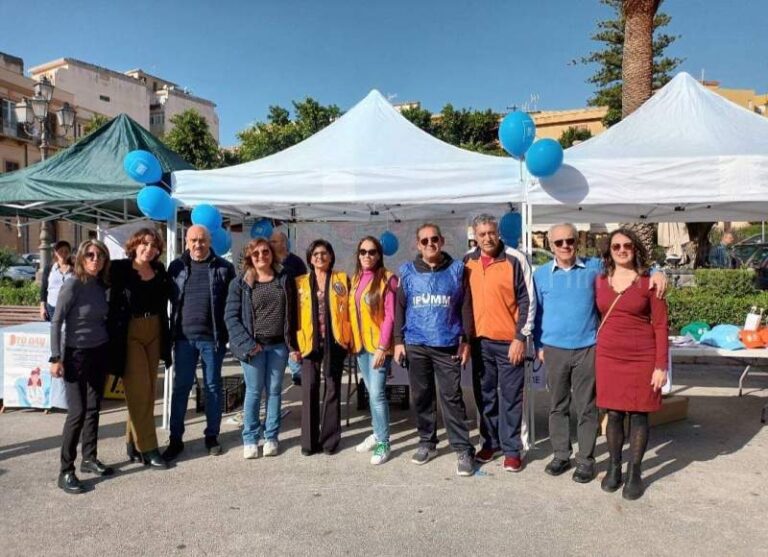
<point x="630" y="345"/>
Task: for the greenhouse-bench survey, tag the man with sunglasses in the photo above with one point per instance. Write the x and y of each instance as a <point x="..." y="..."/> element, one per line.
<point x="199" y="285"/>
<point x="504" y="307"/>
<point x="565" y="333"/>
<point x="432" y="317"/>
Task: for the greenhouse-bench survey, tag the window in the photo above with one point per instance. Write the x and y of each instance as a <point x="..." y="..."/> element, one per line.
<point x="11" y="166"/>
<point x="156" y="119"/>
<point x="104" y="98"/>
<point x="8" y="117"/>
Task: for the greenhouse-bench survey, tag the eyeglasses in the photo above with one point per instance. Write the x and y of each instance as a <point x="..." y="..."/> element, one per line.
<point x="261" y="252"/>
<point x="628" y="246"/>
<point x="363" y="252"/>
<point x="430" y="240"/>
<point x="566" y="241"/>
<point x="322" y="254"/>
<point x="91" y="255"/>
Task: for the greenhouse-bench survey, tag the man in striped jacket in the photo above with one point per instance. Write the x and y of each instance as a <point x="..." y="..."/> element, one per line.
<point x="504" y="307"/>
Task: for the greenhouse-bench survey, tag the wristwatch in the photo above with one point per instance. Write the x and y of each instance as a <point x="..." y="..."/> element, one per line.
<point x="54" y="360"/>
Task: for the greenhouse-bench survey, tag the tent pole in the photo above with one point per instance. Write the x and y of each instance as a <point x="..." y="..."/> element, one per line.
<point x="170" y="256"/>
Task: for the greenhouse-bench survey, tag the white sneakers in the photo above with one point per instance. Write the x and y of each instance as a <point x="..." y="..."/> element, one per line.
<point x="380" y="454"/>
<point x="368" y="444"/>
<point x="270" y="448"/>
<point x="250" y="451"/>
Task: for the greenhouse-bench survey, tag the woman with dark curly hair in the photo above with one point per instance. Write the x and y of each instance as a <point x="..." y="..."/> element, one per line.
<point x="83" y="360"/>
<point x="139" y="335"/>
<point x="631" y="356"/>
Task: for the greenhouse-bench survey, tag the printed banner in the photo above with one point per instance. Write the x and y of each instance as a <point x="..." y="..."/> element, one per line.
<point x="27" y="381"/>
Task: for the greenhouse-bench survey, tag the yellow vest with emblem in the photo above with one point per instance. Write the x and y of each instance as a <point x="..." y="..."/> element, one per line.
<point x="338" y="307"/>
<point x="367" y="331"/>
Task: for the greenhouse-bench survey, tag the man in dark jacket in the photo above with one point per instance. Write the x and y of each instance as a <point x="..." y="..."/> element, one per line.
<point x="433" y="315"/>
<point x="199" y="285"/>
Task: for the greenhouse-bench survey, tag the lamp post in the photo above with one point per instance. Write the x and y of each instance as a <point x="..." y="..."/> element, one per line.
<point x="35" y="110"/>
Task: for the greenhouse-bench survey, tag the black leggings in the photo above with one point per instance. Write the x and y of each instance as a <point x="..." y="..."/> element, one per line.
<point x="638" y="435"/>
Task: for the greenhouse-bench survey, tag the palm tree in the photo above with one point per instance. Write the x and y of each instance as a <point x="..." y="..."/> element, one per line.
<point x="637" y="75"/>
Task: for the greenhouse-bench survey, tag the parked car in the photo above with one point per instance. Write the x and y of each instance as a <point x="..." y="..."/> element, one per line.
<point x="20" y="269"/>
<point x="33" y="258"/>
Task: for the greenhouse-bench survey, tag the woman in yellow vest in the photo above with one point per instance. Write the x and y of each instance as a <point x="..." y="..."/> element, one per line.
<point x="324" y="337"/>
<point x="372" y="315"/>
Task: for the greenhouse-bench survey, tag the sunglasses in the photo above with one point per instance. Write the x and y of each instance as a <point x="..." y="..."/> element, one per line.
<point x="363" y="252"/>
<point x="91" y="255"/>
<point x="566" y="241"/>
<point x="627" y="246"/>
<point x="260" y="252"/>
<point x="430" y="240"/>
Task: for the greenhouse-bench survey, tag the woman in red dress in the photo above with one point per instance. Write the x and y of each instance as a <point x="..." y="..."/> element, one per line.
<point x="631" y="357"/>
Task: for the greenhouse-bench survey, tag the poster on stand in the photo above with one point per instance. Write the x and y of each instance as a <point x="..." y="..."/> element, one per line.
<point x="27" y="381"/>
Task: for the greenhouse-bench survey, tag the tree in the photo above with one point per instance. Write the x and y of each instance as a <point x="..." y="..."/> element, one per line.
<point x="473" y="130"/>
<point x="280" y="132"/>
<point x="419" y="117"/>
<point x="573" y="135"/>
<point x="608" y="76"/>
<point x="94" y="124"/>
<point x="191" y="138"/>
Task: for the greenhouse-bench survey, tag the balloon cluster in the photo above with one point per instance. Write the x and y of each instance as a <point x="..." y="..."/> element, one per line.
<point x="209" y="216"/>
<point x="153" y="200"/>
<point x="516" y="134"/>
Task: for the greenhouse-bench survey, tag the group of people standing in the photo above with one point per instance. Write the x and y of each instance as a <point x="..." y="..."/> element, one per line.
<point x="438" y="313"/>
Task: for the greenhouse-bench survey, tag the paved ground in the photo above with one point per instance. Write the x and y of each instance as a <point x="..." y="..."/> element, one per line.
<point x="707" y="493"/>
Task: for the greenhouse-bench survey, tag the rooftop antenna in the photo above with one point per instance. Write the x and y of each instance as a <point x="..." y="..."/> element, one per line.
<point x="702" y="75"/>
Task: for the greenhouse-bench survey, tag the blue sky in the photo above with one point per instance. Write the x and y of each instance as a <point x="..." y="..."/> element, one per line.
<point x="247" y="55"/>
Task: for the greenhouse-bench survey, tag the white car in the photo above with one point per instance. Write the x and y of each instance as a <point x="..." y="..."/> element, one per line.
<point x="20" y="269"/>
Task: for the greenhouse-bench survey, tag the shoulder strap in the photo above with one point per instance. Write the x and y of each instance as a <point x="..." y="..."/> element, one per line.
<point x="607" y="313"/>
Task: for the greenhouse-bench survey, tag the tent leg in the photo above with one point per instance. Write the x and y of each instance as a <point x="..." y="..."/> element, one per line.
<point x="168" y="376"/>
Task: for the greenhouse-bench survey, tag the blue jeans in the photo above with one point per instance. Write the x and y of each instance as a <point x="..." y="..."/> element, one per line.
<point x="263" y="372"/>
<point x="186" y="354"/>
<point x="375" y="381"/>
<point x="295" y="369"/>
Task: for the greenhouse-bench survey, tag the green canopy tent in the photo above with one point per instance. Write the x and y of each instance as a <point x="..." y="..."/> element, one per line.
<point x="86" y="181"/>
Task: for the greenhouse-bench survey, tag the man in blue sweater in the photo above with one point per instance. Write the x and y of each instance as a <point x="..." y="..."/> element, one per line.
<point x="565" y="332"/>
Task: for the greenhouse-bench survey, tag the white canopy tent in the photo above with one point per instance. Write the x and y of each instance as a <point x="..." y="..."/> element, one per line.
<point x="370" y="164"/>
<point x="686" y="155"/>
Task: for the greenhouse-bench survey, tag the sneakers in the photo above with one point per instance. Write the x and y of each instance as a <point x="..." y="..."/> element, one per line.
<point x="513" y="463"/>
<point x="368" y="444"/>
<point x="380" y="454"/>
<point x="465" y="466"/>
<point x="251" y="451"/>
<point x="270" y="447"/>
<point x="213" y="446"/>
<point x="487" y="455"/>
<point x="423" y="455"/>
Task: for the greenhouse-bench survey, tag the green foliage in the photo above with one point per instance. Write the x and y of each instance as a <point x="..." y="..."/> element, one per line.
<point x="573" y="134"/>
<point x="94" y="124"/>
<point x="22" y="294"/>
<point x="419" y="117"/>
<point x="607" y="76"/>
<point x="720" y="296"/>
<point x="7" y="257"/>
<point x="229" y="157"/>
<point x="474" y="130"/>
<point x="191" y="138"/>
<point x="280" y="132"/>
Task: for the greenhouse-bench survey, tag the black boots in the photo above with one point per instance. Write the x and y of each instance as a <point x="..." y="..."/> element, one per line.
<point x="95" y="466"/>
<point x="633" y="487"/>
<point x="154" y="460"/>
<point x="69" y="483"/>
<point x="612" y="480"/>
<point x="174" y="449"/>
<point x="133" y="454"/>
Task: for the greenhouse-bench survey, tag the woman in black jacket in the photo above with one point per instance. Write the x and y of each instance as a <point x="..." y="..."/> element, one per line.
<point x="139" y="335"/>
<point x="260" y="318"/>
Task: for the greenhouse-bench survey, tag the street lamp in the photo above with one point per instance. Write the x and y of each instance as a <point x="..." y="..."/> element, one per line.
<point x="35" y="110"/>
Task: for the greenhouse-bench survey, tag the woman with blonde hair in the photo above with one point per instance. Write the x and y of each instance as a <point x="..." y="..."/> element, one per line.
<point x="372" y="318"/>
<point x="140" y="337"/>
<point x="261" y="319"/>
<point x="83" y="360"/>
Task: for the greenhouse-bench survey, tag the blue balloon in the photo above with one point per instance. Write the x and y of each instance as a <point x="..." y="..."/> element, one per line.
<point x="207" y="216"/>
<point x="262" y="228"/>
<point x="143" y="167"/>
<point x="155" y="203"/>
<point x="516" y="133"/>
<point x="511" y="229"/>
<point x="221" y="241"/>
<point x="389" y="243"/>
<point x="544" y="158"/>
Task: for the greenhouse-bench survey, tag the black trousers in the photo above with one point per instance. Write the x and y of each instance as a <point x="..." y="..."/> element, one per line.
<point x="429" y="365"/>
<point x="84" y="377"/>
<point x="322" y="431"/>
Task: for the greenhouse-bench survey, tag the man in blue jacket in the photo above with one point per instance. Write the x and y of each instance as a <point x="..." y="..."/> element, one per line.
<point x="200" y="281"/>
<point x="432" y="318"/>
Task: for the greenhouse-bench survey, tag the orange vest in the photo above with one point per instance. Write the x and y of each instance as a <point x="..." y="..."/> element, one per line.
<point x="367" y="331"/>
<point x="338" y="307"/>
